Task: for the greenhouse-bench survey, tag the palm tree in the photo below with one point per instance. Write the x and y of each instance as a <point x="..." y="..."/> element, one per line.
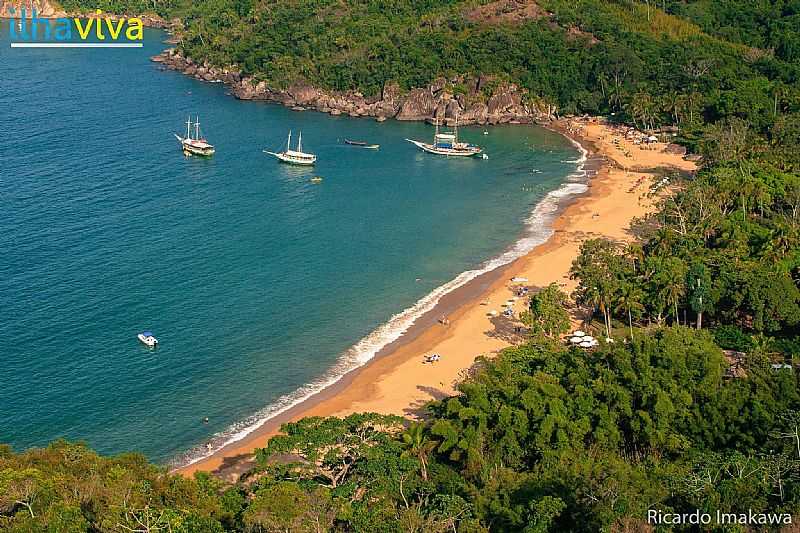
<point x="629" y="298"/>
<point x="418" y="445"/>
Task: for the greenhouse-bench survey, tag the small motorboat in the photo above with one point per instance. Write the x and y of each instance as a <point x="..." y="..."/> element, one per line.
<point x="147" y="338"/>
<point x="316" y="179"/>
<point x="362" y="144"/>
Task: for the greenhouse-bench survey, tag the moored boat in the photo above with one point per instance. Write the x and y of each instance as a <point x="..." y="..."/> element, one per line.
<point x="362" y="144"/>
<point x="147" y="338"/>
<point x="294" y="157"/>
<point x="447" y="144"/>
<point x="196" y="145"/>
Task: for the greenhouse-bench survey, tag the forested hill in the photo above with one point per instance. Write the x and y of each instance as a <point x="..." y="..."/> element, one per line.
<point x="697" y="62"/>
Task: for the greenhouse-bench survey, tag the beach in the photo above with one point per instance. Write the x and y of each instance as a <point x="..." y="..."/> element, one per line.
<point x="461" y="326"/>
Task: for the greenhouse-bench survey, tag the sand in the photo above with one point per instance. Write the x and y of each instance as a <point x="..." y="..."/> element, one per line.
<point x="398" y="381"/>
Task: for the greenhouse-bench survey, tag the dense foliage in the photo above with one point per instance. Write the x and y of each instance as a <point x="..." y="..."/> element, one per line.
<point x="544" y="437"/>
<point x="701" y="62"/>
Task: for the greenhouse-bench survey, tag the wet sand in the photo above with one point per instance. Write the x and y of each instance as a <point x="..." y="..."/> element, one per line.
<point x="397" y="381"/>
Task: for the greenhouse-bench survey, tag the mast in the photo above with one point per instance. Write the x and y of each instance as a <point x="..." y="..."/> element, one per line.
<point x="300" y="142"/>
<point x="435" y="135"/>
<point x="289" y="141"/>
<point x="455" y="130"/>
<point x="188" y="125"/>
<point x="197" y="128"/>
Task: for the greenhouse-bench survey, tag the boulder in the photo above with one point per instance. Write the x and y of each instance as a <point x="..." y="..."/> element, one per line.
<point x="504" y="98"/>
<point x="303" y="94"/>
<point x="418" y="105"/>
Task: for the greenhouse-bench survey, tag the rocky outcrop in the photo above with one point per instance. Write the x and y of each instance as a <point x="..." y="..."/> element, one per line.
<point x="437" y="102"/>
<point x="49" y="10"/>
<point x="43" y="8"/>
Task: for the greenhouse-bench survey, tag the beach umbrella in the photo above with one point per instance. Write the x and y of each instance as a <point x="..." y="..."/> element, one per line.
<point x="579" y="333"/>
<point x="576" y="340"/>
<point x="586" y="344"/>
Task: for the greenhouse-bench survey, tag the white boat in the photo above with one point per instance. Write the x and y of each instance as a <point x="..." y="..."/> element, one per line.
<point x="294" y="157"/>
<point x="447" y="144"/>
<point x="147" y="338"/>
<point x="196" y="145"/>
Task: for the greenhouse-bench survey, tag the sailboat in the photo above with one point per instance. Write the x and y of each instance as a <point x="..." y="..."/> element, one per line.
<point x="447" y="144"/>
<point x="294" y="157"/>
<point x="195" y="145"/>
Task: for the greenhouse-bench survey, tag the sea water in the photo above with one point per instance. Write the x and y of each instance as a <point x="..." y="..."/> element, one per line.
<point x="261" y="286"/>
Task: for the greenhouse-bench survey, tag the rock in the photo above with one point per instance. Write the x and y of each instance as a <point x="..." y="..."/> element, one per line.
<point x="335" y="112"/>
<point x="477" y="113"/>
<point x="675" y="149"/>
<point x="390" y="92"/>
<point x="504" y="98"/>
<point x="418" y="105"/>
<point x="438" y="84"/>
<point x="453" y="109"/>
<point x="380" y="118"/>
<point x="304" y="94"/>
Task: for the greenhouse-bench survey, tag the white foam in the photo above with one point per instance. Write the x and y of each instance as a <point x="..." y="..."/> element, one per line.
<point x="537" y="231"/>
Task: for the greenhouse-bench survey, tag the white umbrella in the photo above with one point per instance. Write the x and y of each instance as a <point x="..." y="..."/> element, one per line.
<point x="586" y="344"/>
<point x="579" y="333"/>
<point x="576" y="340"/>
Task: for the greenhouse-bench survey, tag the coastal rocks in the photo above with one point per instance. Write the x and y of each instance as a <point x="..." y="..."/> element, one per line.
<point x="303" y="95"/>
<point x="506" y="99"/>
<point x="43" y="8"/>
<point x="419" y="104"/>
<point x="443" y="101"/>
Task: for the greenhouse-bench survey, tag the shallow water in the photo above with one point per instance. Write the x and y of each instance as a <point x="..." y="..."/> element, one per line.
<point x="256" y="281"/>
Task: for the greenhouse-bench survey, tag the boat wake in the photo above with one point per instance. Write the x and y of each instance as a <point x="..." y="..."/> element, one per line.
<point x="537" y="231"/>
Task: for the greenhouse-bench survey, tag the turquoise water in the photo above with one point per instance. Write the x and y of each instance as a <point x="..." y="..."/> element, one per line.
<point x="256" y="282"/>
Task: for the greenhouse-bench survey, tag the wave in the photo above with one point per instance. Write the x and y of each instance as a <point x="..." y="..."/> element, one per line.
<point x="537" y="231"/>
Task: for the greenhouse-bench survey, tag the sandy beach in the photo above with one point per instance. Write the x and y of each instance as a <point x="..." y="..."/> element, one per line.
<point x="398" y="381"/>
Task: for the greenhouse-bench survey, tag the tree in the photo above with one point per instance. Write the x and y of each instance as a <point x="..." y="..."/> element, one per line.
<point x="419" y="446"/>
<point x="698" y="283"/>
<point x="285" y="506"/>
<point x="326" y="449"/>
<point x="546" y="313"/>
<point x="598" y="267"/>
<point x="629" y="299"/>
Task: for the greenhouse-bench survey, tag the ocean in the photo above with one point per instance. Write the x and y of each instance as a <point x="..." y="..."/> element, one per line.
<point x="261" y="286"/>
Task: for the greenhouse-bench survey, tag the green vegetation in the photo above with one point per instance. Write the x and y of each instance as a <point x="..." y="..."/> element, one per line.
<point x="694" y="66"/>
<point x="543" y="437"/>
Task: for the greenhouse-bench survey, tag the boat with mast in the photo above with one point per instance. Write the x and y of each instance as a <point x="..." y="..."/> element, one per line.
<point x="447" y="144"/>
<point x="294" y="157"/>
<point x="196" y="145"/>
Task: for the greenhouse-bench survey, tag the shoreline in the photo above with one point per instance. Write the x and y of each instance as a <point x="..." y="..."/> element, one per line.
<point x="395" y="381"/>
<point x="407" y="325"/>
